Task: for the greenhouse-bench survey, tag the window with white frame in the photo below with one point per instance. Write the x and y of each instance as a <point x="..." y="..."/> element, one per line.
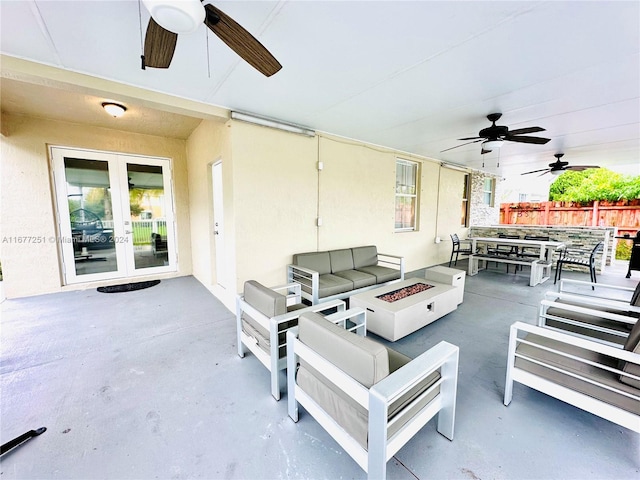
<point x="488" y="191"/>
<point x="406" y="195"/>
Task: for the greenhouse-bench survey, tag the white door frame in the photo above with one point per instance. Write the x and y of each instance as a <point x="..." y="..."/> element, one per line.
<point x="218" y="223"/>
<point x="122" y="231"/>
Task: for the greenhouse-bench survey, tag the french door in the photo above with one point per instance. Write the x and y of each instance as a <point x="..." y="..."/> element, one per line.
<point x="115" y="214"/>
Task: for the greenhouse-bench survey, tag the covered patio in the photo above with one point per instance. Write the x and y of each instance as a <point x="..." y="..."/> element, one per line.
<point x="148" y="384"/>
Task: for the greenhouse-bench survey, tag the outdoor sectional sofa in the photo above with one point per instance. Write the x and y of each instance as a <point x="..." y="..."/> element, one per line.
<point x="339" y="274"/>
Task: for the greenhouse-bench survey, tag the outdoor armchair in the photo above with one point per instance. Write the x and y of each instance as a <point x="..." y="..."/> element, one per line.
<point x="597" y="378"/>
<point x="371" y="399"/>
<point x="607" y="314"/>
<point x="263" y="316"/>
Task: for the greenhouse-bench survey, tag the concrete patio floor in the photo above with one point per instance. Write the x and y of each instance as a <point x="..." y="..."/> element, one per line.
<point x="148" y="384"/>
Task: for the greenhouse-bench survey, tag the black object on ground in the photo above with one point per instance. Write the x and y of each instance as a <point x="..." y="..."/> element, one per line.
<point x="10" y="445"/>
<point x="128" y="287"/>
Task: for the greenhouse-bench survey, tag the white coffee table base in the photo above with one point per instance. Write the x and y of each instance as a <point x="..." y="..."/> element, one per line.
<point x="394" y="320"/>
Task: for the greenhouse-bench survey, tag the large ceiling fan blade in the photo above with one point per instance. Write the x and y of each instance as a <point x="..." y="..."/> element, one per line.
<point x="535" y="171"/>
<point x="462" y="144"/>
<point x="522" y="131"/>
<point x="536" y="140"/>
<point x="241" y="41"/>
<point x="159" y="45"/>
<point x="579" y="168"/>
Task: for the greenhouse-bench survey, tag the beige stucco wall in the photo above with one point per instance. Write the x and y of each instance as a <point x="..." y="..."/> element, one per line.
<point x="27" y="205"/>
<point x="278" y="192"/>
<point x="450" y="209"/>
<point x="209" y="143"/>
<point x="275" y="191"/>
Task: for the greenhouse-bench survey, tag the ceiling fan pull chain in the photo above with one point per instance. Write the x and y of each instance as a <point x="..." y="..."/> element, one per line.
<point x="143" y="65"/>
<point x="208" y="57"/>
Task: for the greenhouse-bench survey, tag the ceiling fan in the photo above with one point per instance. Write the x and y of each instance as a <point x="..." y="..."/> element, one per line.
<point x="172" y="17"/>
<point x="557" y="167"/>
<point x="494" y="136"/>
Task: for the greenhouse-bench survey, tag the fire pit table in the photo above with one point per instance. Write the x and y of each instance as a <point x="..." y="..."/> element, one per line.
<point x="394" y="311"/>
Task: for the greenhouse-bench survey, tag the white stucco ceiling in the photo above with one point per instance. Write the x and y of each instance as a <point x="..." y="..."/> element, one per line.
<point x="414" y="76"/>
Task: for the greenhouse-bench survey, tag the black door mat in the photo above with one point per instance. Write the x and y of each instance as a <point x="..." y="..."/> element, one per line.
<point x="128" y="287"/>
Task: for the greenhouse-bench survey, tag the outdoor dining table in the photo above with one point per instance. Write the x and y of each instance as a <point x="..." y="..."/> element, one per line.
<point x="542" y="271"/>
<point x="542" y="245"/>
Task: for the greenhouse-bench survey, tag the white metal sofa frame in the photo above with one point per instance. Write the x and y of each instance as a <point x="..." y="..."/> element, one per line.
<point x="377" y="399"/>
<point x="596" y="303"/>
<point x="571" y="396"/>
<point x="277" y="325"/>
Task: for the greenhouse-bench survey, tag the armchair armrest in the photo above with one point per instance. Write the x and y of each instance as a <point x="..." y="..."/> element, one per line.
<point x="443" y="356"/>
<point x="564" y="283"/>
<point x="596" y="301"/>
<point x="546" y="304"/>
<point x="293" y="292"/>
<point x="352" y="320"/>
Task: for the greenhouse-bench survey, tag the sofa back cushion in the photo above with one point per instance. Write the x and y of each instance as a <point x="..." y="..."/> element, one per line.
<point x="365" y="256"/>
<point x="263" y="299"/>
<point x="362" y="358"/>
<point x="635" y="298"/>
<point x="341" y="260"/>
<point x="318" y="261"/>
<point x="632" y="345"/>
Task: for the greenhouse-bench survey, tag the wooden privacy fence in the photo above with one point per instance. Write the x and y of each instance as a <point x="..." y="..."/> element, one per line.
<point x="625" y="216"/>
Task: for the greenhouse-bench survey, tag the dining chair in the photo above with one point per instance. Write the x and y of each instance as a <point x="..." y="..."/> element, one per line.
<point x="577" y="257"/>
<point x="457" y="248"/>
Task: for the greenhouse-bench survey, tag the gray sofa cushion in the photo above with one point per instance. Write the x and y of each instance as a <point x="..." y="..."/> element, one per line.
<point x="318" y="261"/>
<point x="382" y="274"/>
<point x="332" y="285"/>
<point x="359" y="279"/>
<point x="341" y="260"/>
<point x="364" y="256"/>
<point x="632" y="345"/>
<point x="576" y="367"/>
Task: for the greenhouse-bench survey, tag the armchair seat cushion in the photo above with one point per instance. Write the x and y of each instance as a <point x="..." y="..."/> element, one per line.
<point x="605" y="377"/>
<point x="382" y="274"/>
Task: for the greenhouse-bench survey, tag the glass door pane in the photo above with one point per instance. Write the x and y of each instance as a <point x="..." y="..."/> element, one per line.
<point x="148" y="211"/>
<point x="90" y="217"/>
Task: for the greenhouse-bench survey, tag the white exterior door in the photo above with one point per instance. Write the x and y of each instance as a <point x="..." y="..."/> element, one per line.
<point x="115" y="214"/>
<point x="218" y="224"/>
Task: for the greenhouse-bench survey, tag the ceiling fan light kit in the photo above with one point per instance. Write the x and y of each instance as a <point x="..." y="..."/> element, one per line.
<point x="177" y="16"/>
<point x="490" y="145"/>
<point x="114" y="109"/>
